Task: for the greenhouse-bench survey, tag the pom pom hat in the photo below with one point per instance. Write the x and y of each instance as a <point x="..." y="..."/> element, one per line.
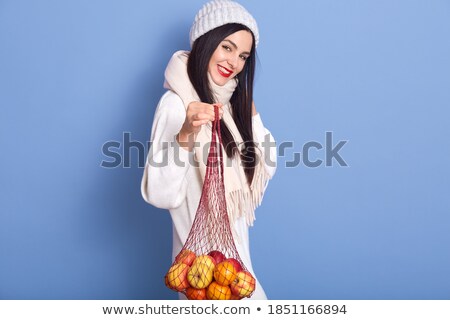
<point x="216" y="13"/>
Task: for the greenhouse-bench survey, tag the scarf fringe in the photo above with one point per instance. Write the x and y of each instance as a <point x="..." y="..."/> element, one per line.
<point x="243" y="204"/>
<point x="242" y="199"/>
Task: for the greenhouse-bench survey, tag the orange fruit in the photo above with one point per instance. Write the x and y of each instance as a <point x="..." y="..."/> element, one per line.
<point x="217" y="291"/>
<point x="225" y="273"/>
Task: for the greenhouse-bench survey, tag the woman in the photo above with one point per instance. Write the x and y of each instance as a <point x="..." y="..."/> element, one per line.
<point x="219" y="70"/>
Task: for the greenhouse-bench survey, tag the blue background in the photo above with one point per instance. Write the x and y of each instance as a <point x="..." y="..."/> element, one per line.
<point x="77" y="74"/>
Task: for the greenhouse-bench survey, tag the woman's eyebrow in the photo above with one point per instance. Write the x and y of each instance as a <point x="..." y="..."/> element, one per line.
<point x="236" y="47"/>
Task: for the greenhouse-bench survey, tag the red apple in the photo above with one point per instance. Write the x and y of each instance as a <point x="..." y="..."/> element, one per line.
<point x="217" y="256"/>
<point x="177" y="277"/>
<point x="195" y="294"/>
<point x="243" y="285"/>
<point x="235" y="263"/>
<point x="185" y="256"/>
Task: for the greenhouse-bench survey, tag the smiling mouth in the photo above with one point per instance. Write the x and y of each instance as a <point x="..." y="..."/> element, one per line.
<point x="224" y="72"/>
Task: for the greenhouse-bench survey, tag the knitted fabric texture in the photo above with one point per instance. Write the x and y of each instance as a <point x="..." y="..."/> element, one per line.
<point x="217" y="13"/>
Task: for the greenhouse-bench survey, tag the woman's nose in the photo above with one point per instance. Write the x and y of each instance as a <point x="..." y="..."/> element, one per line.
<point x="232" y="62"/>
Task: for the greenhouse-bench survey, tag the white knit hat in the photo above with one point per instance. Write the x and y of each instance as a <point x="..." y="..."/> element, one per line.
<point x="216" y="13"/>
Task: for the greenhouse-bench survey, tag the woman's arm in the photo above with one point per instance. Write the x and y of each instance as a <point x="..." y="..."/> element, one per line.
<point x="164" y="182"/>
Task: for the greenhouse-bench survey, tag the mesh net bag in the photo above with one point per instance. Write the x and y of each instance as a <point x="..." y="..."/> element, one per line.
<point x="208" y="267"/>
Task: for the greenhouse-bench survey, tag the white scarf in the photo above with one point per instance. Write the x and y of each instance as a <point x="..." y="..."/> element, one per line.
<point x="242" y="199"/>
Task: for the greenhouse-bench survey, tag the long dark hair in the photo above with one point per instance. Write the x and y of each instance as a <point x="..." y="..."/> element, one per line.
<point x="241" y="100"/>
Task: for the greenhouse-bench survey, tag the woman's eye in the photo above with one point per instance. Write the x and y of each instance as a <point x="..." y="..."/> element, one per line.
<point x="226" y="47"/>
<point x="244" y="58"/>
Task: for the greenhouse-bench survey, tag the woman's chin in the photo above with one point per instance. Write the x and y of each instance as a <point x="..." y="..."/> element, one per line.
<point x="218" y="79"/>
<point x="221" y="81"/>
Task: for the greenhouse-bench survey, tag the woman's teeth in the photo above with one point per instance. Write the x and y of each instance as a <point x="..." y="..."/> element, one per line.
<point x="224" y="71"/>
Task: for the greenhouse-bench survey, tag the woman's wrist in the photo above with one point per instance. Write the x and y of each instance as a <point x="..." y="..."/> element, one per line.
<point x="185" y="140"/>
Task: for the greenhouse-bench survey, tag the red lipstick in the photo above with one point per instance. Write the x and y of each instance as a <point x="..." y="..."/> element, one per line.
<point x="224" y="72"/>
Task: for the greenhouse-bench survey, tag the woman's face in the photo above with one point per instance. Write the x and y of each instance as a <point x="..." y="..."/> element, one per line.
<point x="229" y="57"/>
